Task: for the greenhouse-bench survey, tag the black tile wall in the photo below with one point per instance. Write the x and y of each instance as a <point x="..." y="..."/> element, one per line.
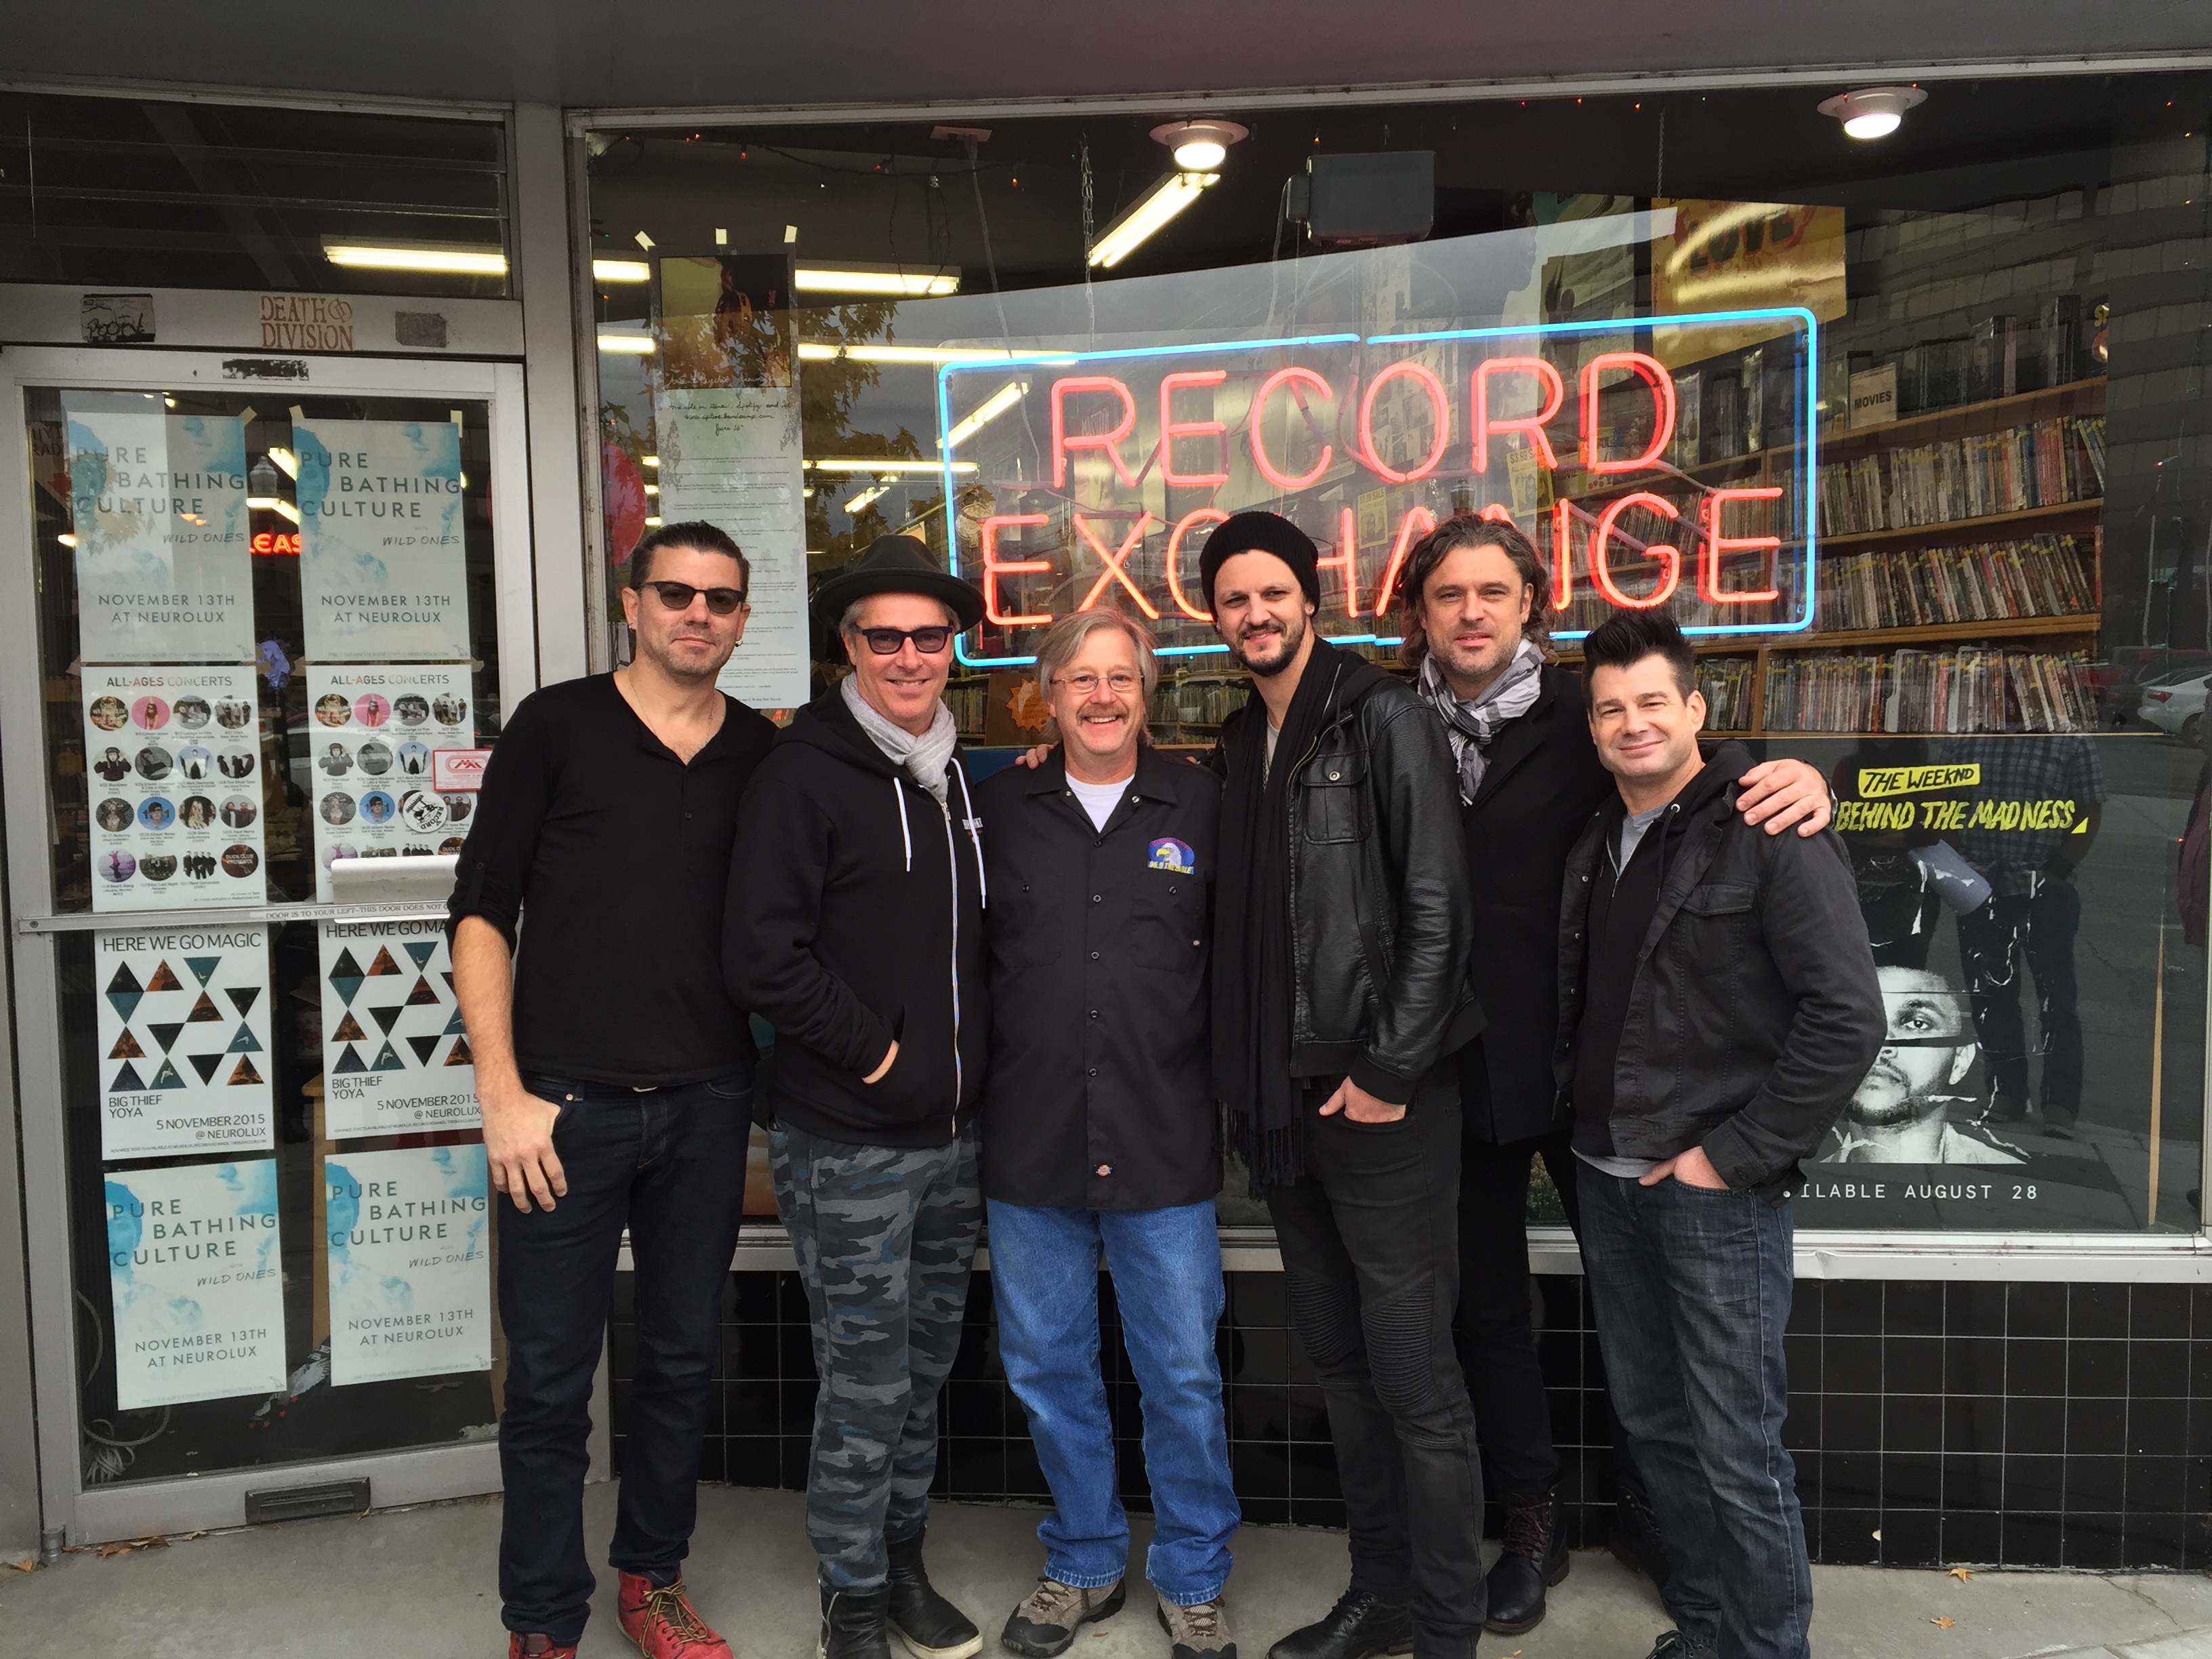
<point x="1932" y="1424"/>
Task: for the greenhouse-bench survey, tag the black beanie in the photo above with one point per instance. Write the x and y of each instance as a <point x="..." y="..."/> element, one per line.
<point x="1261" y="532"/>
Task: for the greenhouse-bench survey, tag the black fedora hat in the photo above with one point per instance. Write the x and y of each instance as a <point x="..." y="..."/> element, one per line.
<point x="894" y="564"/>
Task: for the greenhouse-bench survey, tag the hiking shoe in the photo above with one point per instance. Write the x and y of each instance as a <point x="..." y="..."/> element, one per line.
<point x="930" y="1626"/>
<point x="1534" y="1560"/>
<point x="538" y="1645"/>
<point x="1044" y="1625"/>
<point x="662" y="1621"/>
<point x="1201" y="1632"/>
<point x="1676" y="1646"/>
<point x="1357" y="1627"/>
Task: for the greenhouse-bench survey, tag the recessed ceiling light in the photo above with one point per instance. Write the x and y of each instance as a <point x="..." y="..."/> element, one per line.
<point x="1201" y="146"/>
<point x="1873" y="111"/>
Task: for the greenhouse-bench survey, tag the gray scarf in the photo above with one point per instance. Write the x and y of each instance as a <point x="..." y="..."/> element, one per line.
<point x="1470" y="725"/>
<point x="925" y="757"/>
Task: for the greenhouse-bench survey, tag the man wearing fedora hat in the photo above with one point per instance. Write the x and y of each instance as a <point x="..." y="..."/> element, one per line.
<point x="855" y="928"/>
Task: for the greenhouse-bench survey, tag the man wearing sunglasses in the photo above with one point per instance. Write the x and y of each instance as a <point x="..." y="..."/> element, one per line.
<point x="855" y="928"/>
<point x="616" y="1079"/>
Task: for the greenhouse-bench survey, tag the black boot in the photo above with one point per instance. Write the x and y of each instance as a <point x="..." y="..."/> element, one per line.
<point x="928" y="1624"/>
<point x="852" y="1624"/>
<point x="1535" y="1558"/>
<point x="1636" y="1541"/>
<point x="1357" y="1627"/>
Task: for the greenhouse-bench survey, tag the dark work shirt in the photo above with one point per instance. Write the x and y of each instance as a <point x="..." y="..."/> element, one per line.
<point x="1100" y="1091"/>
<point x="609" y="859"/>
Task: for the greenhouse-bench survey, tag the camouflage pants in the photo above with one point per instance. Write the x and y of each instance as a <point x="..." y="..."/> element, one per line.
<point x="884" y="1237"/>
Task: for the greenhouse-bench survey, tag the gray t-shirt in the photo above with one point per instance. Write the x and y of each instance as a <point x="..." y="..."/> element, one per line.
<point x="1632" y="836"/>
<point x="1267" y="765"/>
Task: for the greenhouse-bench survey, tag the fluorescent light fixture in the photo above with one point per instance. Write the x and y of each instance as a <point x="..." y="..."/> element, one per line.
<point x="621" y="270"/>
<point x="823" y="278"/>
<point x="652" y="489"/>
<point x="455" y="258"/>
<point x="276" y="504"/>
<point x="1201" y="146"/>
<point x="889" y="466"/>
<point x="66" y="540"/>
<point x="1873" y="111"/>
<point x="649" y="460"/>
<point x="1166" y="199"/>
<point x="652" y="524"/>
<point x="626" y="340"/>
<point x="287" y="462"/>
<point x="822" y="351"/>
<point x="864" y="497"/>
<point x="994" y="406"/>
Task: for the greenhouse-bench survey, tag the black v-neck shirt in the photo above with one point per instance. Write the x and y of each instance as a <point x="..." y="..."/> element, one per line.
<point x="608" y="860"/>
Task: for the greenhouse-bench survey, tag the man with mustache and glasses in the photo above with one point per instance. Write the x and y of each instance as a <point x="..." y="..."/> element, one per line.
<point x="616" y="1079"/>
<point x="1340" y="992"/>
<point x="1900" y="1113"/>
<point x="855" y="928"/>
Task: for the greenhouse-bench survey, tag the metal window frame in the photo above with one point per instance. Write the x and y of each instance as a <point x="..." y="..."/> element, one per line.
<point x="90" y="1513"/>
<point x="1840" y="1252"/>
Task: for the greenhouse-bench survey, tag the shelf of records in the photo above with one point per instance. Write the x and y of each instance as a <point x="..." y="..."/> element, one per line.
<point x="2040" y="465"/>
<point x="1967" y="690"/>
<point x="2046" y="576"/>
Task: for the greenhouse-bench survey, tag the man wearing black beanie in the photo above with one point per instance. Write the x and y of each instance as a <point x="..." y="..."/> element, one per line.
<point x="1341" y="989"/>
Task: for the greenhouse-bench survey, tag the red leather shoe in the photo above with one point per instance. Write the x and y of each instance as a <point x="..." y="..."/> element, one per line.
<point x="663" y="1622"/>
<point x="535" y="1646"/>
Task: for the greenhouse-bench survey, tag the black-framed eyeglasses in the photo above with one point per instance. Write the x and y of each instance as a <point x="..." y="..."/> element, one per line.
<point x="677" y="595"/>
<point x="886" y="642"/>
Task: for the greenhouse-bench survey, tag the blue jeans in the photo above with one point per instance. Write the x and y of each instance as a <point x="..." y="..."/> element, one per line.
<point x="1691" y="1290"/>
<point x="670" y="1165"/>
<point x="1166" y="1265"/>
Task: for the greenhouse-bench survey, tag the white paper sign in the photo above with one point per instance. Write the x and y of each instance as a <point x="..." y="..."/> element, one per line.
<point x="411" y="1280"/>
<point x="395" y="1056"/>
<point x="383" y="571"/>
<point x="173" y="759"/>
<point x="184" y="1040"/>
<point x="372" y="733"/>
<point x="196" y="1276"/>
<point x="731" y="456"/>
<point x="164" y="563"/>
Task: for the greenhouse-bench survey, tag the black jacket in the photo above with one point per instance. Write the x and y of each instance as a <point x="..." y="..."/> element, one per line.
<point x="855" y="917"/>
<point x="1382" y="910"/>
<point x="1754" y="1011"/>
<point x="1542" y="782"/>
<point x="1100" y="1095"/>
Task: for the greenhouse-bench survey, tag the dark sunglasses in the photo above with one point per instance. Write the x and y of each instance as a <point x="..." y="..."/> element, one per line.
<point x="677" y="595"/>
<point x="886" y="642"/>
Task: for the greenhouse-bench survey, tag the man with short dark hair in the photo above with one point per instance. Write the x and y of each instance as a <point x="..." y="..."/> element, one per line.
<point x="616" y="1080"/>
<point x="1340" y="991"/>
<point x="1717" y="1005"/>
<point x="855" y="928"/>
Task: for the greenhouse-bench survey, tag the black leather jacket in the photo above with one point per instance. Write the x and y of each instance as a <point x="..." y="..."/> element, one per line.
<point x="1381" y="907"/>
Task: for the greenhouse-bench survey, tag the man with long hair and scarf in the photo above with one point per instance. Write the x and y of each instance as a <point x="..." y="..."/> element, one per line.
<point x="1341" y="989"/>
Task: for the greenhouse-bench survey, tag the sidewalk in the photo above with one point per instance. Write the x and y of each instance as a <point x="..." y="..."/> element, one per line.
<point x="419" y="1583"/>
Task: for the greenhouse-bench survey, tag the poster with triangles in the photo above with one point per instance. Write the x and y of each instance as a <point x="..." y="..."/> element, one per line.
<point x="395" y="1058"/>
<point x="173" y="757"/>
<point x="185" y="1056"/>
<point x="372" y="734"/>
<point x="196" y="1277"/>
<point x="408" y="1234"/>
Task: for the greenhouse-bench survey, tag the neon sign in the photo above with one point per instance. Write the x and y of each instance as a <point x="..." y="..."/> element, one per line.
<point x="1120" y="461"/>
<point x="278" y="541"/>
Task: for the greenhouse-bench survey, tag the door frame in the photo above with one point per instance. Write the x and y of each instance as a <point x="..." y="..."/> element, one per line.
<point x="99" y="1514"/>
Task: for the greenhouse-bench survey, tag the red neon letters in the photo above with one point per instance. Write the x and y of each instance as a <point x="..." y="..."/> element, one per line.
<point x="1670" y="558"/>
<point x="1204" y="515"/>
<point x="1116" y="563"/>
<point x="1171" y="428"/>
<point x="1662" y="397"/>
<point x="1417" y="523"/>
<point x="1716" y="544"/>
<point x="1437" y="400"/>
<point x="1555" y="393"/>
<point x="1061" y="442"/>
<point x="1347" y="559"/>
<point x="1292" y="378"/>
<point x="995" y="567"/>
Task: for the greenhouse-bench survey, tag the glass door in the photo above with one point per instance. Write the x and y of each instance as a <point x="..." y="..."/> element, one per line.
<point x="258" y="634"/>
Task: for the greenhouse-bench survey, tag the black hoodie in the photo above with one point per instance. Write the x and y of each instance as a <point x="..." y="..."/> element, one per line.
<point x="856" y="918"/>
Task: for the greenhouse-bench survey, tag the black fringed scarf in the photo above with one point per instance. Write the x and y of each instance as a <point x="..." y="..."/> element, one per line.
<point x="1252" y="979"/>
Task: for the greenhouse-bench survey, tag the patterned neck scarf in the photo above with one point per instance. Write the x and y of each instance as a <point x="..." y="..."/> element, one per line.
<point x="1470" y="725"/>
<point x="925" y="757"/>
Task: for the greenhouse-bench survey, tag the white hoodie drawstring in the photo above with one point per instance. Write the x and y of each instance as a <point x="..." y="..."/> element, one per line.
<point x="906" y="835"/>
<point x="983" y="882"/>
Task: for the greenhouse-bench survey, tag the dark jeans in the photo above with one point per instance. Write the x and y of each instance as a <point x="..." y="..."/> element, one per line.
<point x="1994" y="940"/>
<point x="1370" y="1241"/>
<point x="1692" y="1288"/>
<point x="670" y="1165"/>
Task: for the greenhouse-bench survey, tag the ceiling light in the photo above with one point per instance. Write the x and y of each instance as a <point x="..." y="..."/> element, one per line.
<point x="66" y="540"/>
<point x="621" y="270"/>
<point x="866" y="496"/>
<point x="1199" y="146"/>
<point x="652" y="524"/>
<point x="276" y="504"/>
<point x="1167" y="198"/>
<point x="626" y="340"/>
<point x="286" y="460"/>
<point x="648" y="460"/>
<point x="823" y="351"/>
<point x="995" y="405"/>
<point x="881" y="464"/>
<point x="1873" y="111"/>
<point x="457" y="258"/>
<point x="820" y="278"/>
<point x="652" y="489"/>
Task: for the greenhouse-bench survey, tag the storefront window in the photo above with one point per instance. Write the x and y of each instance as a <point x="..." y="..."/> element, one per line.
<point x="269" y="643"/>
<point x="1906" y="434"/>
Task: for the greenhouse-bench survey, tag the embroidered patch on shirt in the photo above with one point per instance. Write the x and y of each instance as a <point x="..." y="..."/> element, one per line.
<point x="1172" y="854"/>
